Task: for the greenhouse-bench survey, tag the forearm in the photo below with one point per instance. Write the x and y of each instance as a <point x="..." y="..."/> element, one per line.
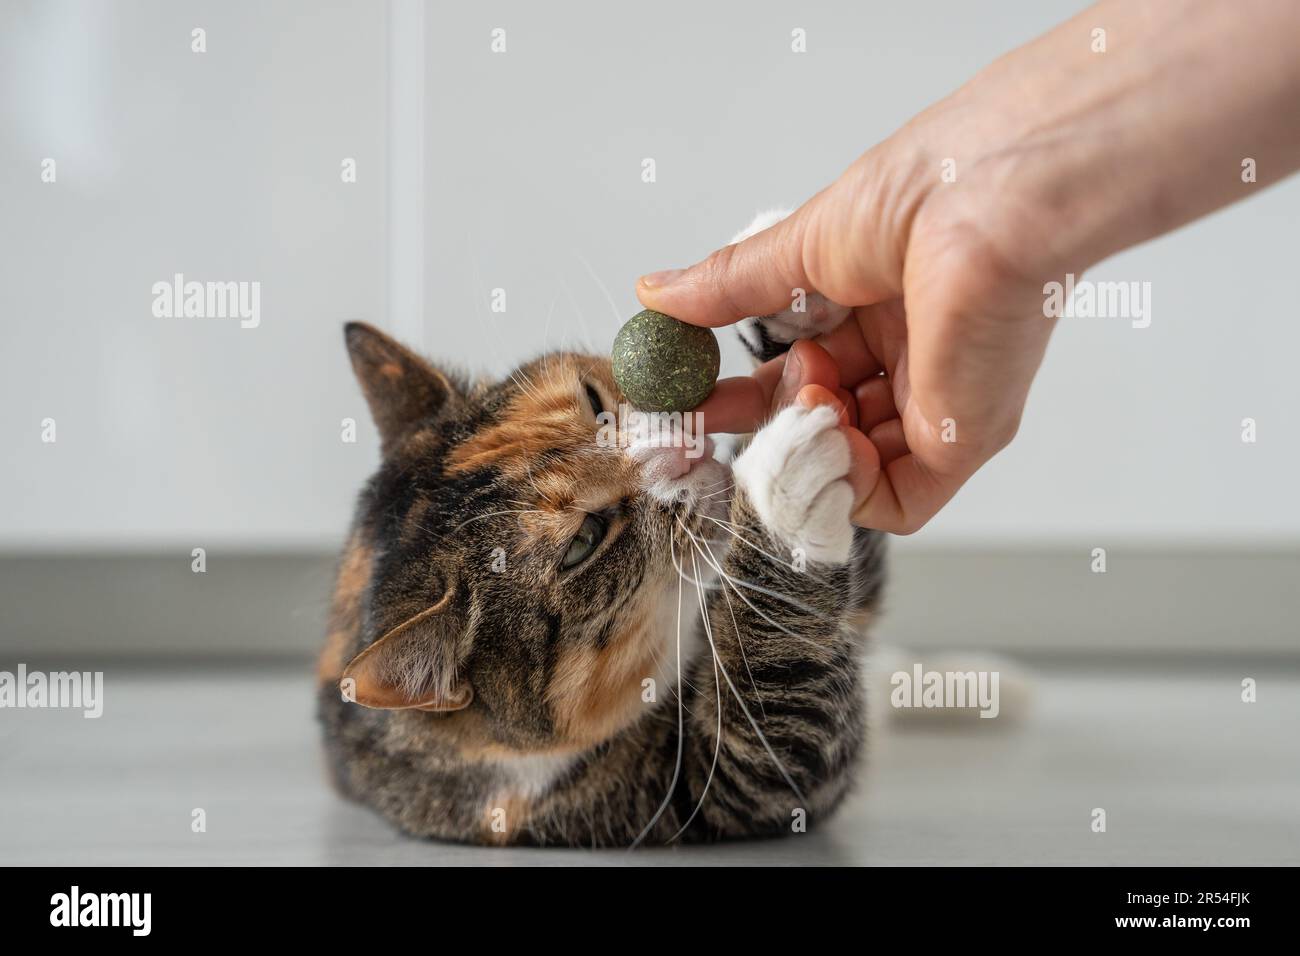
<point x="1068" y="153"/>
<point x="1164" y="118"/>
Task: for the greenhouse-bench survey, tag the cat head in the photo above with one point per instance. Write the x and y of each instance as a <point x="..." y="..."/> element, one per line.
<point x="516" y="555"/>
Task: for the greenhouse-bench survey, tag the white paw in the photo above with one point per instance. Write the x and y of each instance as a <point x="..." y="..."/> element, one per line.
<point x="795" y="474"/>
<point x="810" y="314"/>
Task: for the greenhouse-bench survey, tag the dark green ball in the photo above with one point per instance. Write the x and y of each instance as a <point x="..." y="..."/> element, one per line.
<point x="663" y="365"/>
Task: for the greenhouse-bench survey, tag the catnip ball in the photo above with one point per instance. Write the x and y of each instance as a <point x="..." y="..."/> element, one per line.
<point x="663" y="365"/>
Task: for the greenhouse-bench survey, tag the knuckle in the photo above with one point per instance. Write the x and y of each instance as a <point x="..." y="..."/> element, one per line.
<point x="1001" y="435"/>
<point x="978" y="273"/>
<point x="909" y="524"/>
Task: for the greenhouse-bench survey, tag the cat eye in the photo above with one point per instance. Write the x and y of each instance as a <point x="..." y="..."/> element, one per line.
<point x="593" y="397"/>
<point x="588" y="538"/>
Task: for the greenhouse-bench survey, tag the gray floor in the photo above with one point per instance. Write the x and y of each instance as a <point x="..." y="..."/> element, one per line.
<point x="1187" y="773"/>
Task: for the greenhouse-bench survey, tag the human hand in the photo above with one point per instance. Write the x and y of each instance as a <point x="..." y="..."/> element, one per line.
<point x="1057" y="159"/>
<point x="931" y="389"/>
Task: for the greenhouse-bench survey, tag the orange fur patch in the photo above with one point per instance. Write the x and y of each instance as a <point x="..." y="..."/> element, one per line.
<point x="345" y="609"/>
<point x="539" y="418"/>
<point x="595" y="692"/>
<point x="545" y="440"/>
<point x="468" y="732"/>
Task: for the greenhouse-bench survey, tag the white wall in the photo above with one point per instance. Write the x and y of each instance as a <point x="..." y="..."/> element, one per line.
<point x="226" y="166"/>
<point x="1130" y="433"/>
<point x="222" y="166"/>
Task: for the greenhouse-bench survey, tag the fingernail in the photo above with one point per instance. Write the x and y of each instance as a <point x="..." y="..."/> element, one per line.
<point x="810" y="396"/>
<point x="790" y="375"/>
<point x="793" y="368"/>
<point x="656" y="280"/>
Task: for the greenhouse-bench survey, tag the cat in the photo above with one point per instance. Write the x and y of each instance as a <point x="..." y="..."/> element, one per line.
<point x="538" y="638"/>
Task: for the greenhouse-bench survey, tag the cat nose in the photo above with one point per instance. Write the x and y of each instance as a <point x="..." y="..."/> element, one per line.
<point x="662" y="461"/>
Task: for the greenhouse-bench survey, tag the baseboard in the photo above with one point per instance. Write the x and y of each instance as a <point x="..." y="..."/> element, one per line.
<point x="1203" y="601"/>
<point x="1041" y="602"/>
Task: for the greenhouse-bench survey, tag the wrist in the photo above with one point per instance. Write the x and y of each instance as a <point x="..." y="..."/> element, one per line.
<point x="1062" y="154"/>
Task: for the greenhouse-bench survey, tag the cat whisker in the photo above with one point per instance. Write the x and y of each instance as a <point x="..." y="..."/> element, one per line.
<point x="527" y="386"/>
<point x="618" y="318"/>
<point x="730" y="528"/>
<point x="734" y="581"/>
<point x="683" y="576"/>
<point x="577" y="309"/>
<point x="735" y="629"/>
<point x="525" y="383"/>
<point x="741" y="701"/>
<point x="681" y="720"/>
<point x="493" y="514"/>
<point x="546" y="328"/>
<point x="720" y="491"/>
<point x="717" y="697"/>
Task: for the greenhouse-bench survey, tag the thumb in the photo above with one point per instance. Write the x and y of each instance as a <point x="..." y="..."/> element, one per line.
<point x="845" y="243"/>
<point x="753" y="277"/>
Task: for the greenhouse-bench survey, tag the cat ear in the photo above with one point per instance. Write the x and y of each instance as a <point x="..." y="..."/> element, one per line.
<point x="412" y="667"/>
<point x="400" y="387"/>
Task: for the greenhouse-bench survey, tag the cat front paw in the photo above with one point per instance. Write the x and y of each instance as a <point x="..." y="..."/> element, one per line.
<point x="795" y="476"/>
<point x="767" y="336"/>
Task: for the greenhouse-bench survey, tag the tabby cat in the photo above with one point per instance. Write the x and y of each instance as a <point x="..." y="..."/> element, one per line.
<point x="538" y="637"/>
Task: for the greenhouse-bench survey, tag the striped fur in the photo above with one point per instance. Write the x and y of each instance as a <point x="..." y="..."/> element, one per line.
<point x="564" y="741"/>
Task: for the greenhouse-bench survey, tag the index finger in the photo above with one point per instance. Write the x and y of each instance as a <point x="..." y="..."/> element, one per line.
<point x="739" y="405"/>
